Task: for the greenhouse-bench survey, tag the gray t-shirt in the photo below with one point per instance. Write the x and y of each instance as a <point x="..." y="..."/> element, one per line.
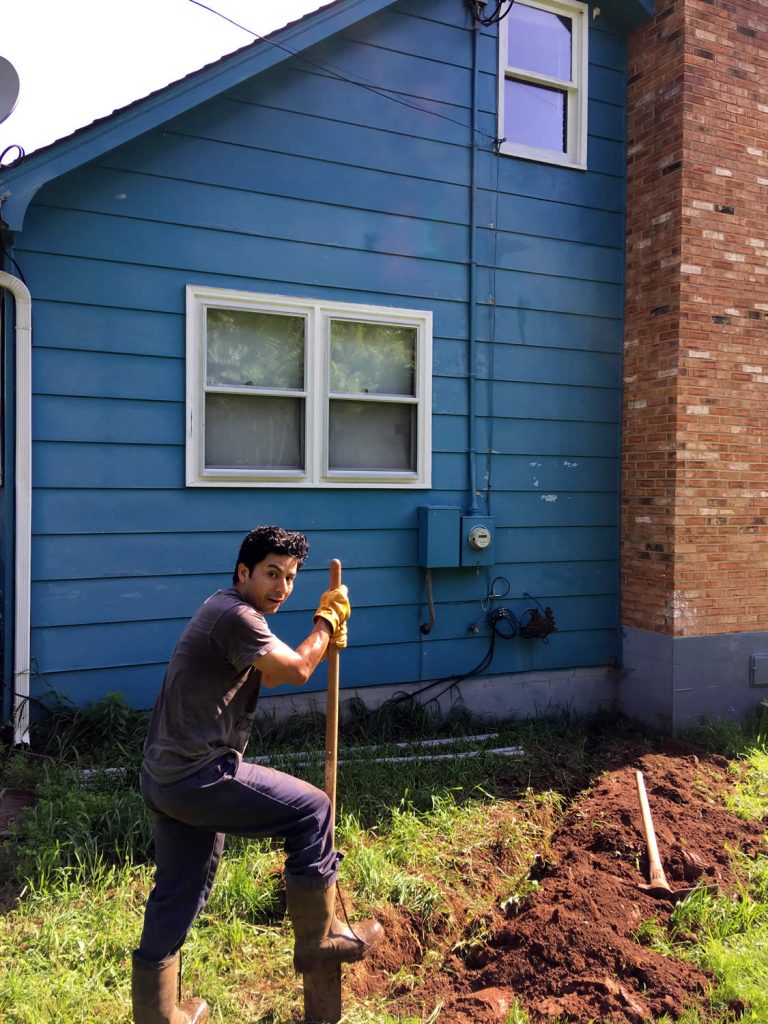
<point x="208" y="699"/>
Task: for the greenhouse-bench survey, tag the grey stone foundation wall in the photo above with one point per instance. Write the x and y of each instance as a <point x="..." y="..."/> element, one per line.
<point x="582" y="691"/>
<point x="671" y="683"/>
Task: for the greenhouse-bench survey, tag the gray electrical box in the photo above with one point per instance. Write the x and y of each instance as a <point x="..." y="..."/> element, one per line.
<point x="758" y="670"/>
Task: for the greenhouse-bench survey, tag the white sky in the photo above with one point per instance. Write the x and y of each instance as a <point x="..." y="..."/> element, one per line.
<point x="81" y="59"/>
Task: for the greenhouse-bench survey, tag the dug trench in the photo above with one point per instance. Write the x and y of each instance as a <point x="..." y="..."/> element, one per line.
<point x="570" y="950"/>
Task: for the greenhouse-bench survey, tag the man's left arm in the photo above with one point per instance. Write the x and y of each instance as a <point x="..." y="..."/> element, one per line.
<point x="282" y="664"/>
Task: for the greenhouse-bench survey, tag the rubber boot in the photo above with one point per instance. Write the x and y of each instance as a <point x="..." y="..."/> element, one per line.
<point x="156" y="993"/>
<point x="320" y="937"/>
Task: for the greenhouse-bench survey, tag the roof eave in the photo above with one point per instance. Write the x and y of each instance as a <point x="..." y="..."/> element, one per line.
<point x="18" y="185"/>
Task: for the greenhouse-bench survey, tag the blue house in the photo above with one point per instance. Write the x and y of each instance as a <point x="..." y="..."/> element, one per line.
<point x="365" y="279"/>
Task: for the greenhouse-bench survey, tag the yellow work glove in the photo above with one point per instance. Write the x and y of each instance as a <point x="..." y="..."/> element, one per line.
<point x="337" y="639"/>
<point x="334" y="607"/>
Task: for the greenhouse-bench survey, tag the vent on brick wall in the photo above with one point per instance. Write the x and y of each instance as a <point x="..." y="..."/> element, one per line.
<point x="758" y="670"/>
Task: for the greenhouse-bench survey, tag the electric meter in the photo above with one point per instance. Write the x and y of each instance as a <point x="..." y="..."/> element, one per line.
<point x="479" y="537"/>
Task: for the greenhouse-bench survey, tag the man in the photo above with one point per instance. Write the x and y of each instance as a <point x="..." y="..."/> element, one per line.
<point x="198" y="788"/>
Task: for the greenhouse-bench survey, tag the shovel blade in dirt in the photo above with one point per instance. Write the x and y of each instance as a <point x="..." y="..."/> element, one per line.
<point x="322" y="995"/>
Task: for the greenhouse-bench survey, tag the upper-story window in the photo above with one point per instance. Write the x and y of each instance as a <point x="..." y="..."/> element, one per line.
<point x="300" y="392"/>
<point x="543" y="64"/>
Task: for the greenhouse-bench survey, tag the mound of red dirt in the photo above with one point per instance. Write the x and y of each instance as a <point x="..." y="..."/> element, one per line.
<point x="571" y="950"/>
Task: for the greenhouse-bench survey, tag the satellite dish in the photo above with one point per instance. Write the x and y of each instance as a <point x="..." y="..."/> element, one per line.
<point x="9" y="88"/>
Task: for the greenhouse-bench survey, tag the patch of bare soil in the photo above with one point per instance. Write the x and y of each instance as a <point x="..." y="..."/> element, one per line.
<point x="12" y="802"/>
<point x="569" y="950"/>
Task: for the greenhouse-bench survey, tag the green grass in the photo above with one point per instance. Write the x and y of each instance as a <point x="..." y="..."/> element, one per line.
<point x="420" y="836"/>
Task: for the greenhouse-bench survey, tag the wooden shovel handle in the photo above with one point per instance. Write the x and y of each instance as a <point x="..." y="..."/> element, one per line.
<point x="656" y="871"/>
<point x="332" y="707"/>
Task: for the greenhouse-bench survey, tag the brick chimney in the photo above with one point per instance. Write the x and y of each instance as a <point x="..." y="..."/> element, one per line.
<point x="694" y="537"/>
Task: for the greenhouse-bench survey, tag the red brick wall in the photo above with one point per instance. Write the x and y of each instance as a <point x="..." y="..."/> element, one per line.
<point x="695" y="444"/>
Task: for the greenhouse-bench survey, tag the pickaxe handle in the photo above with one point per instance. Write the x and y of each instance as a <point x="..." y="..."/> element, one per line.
<point x="332" y="709"/>
<point x="656" y="871"/>
<point x="322" y="987"/>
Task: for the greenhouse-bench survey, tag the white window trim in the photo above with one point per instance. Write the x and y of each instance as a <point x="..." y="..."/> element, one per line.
<point x="577" y="89"/>
<point x="317" y="314"/>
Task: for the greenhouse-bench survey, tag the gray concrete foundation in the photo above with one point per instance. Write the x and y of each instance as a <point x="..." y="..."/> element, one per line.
<point x="582" y="691"/>
<point x="671" y="683"/>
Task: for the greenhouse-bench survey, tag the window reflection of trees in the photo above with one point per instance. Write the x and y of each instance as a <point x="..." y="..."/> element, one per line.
<point x="372" y="358"/>
<point x="265" y="351"/>
<point x="255" y="349"/>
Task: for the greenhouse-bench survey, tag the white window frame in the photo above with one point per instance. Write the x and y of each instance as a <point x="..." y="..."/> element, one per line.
<point x="577" y="91"/>
<point x="317" y="315"/>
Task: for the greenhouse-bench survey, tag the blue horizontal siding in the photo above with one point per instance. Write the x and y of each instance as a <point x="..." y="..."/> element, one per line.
<point x="534" y="438"/>
<point x="606" y="121"/>
<point x="549" y="219"/>
<point x="254" y="168"/>
<point x="520" y="473"/>
<point x="104" y="646"/>
<point x="406" y="663"/>
<point x="597" y="191"/>
<point x="105" y="328"/>
<point x="531" y="400"/>
<point x="309" y="91"/>
<point x="332" y="142"/>
<point x="106" y="374"/>
<point x="121" y="241"/>
<point x="69" y="510"/>
<point x="299" y="183"/>
<point x="63" y="559"/>
<point x="241" y="212"/>
<point x="114" y="289"/>
<point x="107" y="420"/>
<point x="553" y="328"/>
<point x="524" y="290"/>
<point x="556" y="544"/>
<point x="525" y="363"/>
<point x="399" y="31"/>
<point x="555" y="508"/>
<point x="534" y="254"/>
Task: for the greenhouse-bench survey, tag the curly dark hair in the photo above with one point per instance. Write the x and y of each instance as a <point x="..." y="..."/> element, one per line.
<point x="265" y="540"/>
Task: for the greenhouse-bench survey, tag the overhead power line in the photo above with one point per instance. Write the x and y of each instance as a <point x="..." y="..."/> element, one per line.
<point x="341" y="76"/>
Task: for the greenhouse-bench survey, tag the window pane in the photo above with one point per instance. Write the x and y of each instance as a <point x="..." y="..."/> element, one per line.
<point x="253" y="348"/>
<point x="375" y="359"/>
<point x="369" y="435"/>
<point x="535" y="115"/>
<point x="247" y="432"/>
<point x="539" y="41"/>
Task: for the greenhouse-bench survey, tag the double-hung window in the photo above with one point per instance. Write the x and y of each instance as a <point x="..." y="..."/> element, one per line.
<point x="543" y="73"/>
<point x="285" y="391"/>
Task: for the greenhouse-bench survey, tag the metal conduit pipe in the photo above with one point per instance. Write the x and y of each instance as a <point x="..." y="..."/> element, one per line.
<point x="23" y="506"/>
<point x="472" y="428"/>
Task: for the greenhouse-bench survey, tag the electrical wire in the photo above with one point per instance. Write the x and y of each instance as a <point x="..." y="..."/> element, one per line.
<point x="502" y="622"/>
<point x="452" y="680"/>
<point x="13" y="145"/>
<point x="341" y="76"/>
<point x="477" y="9"/>
<point x="426" y="627"/>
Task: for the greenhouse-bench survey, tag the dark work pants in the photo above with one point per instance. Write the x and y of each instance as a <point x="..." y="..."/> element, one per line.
<point x="191" y="819"/>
